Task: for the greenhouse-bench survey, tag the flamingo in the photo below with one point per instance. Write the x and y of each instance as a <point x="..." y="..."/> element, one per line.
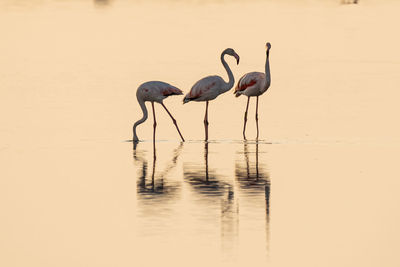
<point x="254" y="84"/>
<point x="210" y="87"/>
<point x="154" y="91"/>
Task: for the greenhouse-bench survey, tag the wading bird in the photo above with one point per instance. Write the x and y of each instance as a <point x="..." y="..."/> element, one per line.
<point x="254" y="84"/>
<point x="154" y="91"/>
<point x="210" y="87"/>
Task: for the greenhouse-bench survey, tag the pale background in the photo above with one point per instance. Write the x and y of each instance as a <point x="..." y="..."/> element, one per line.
<point x="71" y="187"/>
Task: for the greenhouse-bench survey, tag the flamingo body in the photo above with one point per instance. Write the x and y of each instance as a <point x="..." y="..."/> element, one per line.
<point x="208" y="88"/>
<point x="205" y="89"/>
<point x="154" y="91"/>
<point x="252" y="84"/>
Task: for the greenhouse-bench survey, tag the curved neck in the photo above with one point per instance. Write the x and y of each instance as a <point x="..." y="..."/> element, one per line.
<point x="267" y="71"/>
<point x="143" y="119"/>
<point x="231" y="81"/>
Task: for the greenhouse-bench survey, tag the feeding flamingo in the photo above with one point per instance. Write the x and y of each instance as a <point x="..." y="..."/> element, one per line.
<point x="154" y="91"/>
<point x="254" y="84"/>
<point x="210" y="87"/>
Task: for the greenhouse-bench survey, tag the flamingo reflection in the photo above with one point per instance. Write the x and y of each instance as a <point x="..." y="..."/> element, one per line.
<point x="229" y="220"/>
<point x="255" y="181"/>
<point x="154" y="185"/>
<point x="252" y="178"/>
<point x="203" y="180"/>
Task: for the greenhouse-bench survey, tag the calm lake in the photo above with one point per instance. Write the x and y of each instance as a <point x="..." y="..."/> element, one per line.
<point x="320" y="187"/>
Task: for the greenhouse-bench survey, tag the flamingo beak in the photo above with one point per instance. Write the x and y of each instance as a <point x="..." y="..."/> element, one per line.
<point x="237" y="58"/>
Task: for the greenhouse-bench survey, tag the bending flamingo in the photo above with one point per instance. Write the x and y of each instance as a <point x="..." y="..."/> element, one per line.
<point x="210" y="87"/>
<point x="154" y="91"/>
<point x="254" y="84"/>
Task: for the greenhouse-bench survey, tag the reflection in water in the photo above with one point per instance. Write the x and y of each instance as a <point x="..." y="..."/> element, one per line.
<point x="213" y="199"/>
<point x="253" y="181"/>
<point x="251" y="178"/>
<point x="229" y="220"/>
<point x="154" y="186"/>
<point x="202" y="179"/>
<point x="219" y="195"/>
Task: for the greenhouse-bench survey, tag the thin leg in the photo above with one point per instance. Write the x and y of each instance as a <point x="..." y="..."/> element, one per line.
<point x="245" y="118"/>
<point x="206" y="121"/>
<point x="154" y="129"/>
<point x="174" y="121"/>
<point x="257" y="117"/>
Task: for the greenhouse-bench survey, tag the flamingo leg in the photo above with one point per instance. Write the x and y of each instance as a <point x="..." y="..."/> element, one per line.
<point x="257" y="117"/>
<point x="154" y="129"/>
<point x="174" y="121"/>
<point x="245" y="118"/>
<point x="206" y="121"/>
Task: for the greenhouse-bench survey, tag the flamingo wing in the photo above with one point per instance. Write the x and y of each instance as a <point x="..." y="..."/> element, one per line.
<point x="157" y="91"/>
<point x="249" y="80"/>
<point x="170" y="90"/>
<point x="204" y="89"/>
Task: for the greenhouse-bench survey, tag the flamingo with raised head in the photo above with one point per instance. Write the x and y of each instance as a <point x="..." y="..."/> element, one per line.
<point x="154" y="91"/>
<point x="254" y="84"/>
<point x="210" y="87"/>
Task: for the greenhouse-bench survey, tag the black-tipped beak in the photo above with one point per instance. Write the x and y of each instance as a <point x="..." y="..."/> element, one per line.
<point x="237" y="58"/>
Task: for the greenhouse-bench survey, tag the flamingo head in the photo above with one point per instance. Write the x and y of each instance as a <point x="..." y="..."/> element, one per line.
<point x="232" y="52"/>
<point x="268" y="47"/>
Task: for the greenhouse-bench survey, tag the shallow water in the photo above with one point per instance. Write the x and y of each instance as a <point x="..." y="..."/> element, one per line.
<point x="318" y="189"/>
